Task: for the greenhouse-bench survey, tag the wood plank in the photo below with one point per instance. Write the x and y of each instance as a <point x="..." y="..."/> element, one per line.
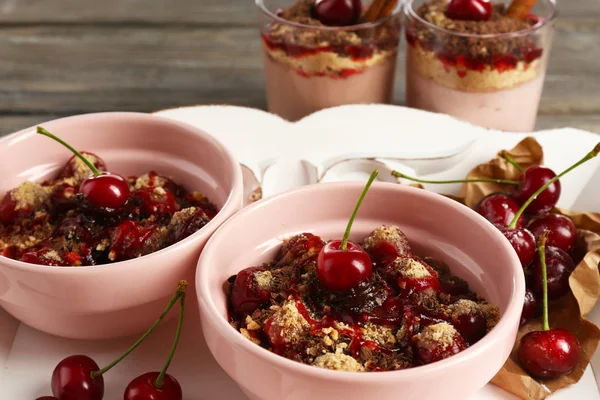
<point x="230" y="12"/>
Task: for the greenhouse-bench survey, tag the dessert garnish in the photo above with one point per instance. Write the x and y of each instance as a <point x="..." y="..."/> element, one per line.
<point x="379" y="9"/>
<point x="470" y="10"/>
<point x="159" y="385"/>
<point x="341" y="264"/>
<point x="78" y="377"/>
<point x="520" y="8"/>
<point x="396" y="311"/>
<point x="538" y="193"/>
<point x="548" y="353"/>
<point x="338" y="12"/>
<point x="102" y="189"/>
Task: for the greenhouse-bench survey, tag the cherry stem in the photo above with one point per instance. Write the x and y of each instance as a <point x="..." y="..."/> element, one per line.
<point x="588" y="156"/>
<point x="486" y="180"/>
<point x="181" y="288"/>
<point x="87" y="162"/>
<point x="159" y="381"/>
<point x="511" y="160"/>
<point x="542" y="255"/>
<point x="353" y="216"/>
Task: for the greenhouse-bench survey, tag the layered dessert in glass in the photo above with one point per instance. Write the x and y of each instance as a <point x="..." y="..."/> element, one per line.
<point x="480" y="61"/>
<point x="324" y="53"/>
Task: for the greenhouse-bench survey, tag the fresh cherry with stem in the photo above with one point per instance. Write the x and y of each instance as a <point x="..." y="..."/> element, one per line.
<point x="563" y="233"/>
<point x="338" y="12"/>
<point x="499" y="208"/>
<point x="341" y="264"/>
<point x="532" y="179"/>
<point x="512" y="161"/>
<point x="470" y="10"/>
<point x="78" y="377"/>
<point x="530" y="307"/>
<point x="159" y="385"/>
<point x="522" y="239"/>
<point x="548" y="353"/>
<point x="102" y="189"/>
<point x="559" y="267"/>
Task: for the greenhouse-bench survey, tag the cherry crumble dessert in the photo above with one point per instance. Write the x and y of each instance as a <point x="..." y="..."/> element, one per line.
<point x="88" y="216"/>
<point x="349" y="307"/>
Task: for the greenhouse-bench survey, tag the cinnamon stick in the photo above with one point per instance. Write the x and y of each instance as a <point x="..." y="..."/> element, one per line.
<point x="520" y="8"/>
<point x="379" y="9"/>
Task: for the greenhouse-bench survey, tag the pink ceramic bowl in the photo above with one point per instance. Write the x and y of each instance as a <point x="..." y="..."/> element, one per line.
<point x="435" y="226"/>
<point x="123" y="298"/>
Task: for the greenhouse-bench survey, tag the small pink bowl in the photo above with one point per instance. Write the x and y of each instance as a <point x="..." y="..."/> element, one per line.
<point x="435" y="226"/>
<point x="124" y="298"/>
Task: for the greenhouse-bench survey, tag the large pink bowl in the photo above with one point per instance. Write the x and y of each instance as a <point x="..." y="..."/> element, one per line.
<point x="435" y="226"/>
<point x="123" y="298"/>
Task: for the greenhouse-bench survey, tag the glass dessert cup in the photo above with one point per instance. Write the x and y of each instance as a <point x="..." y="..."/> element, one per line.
<point x="312" y="67"/>
<point x="494" y="80"/>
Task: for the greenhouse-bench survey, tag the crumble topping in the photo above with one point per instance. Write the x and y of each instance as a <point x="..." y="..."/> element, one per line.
<point x="264" y="279"/>
<point x="80" y="169"/>
<point x="288" y="323"/>
<point x="411" y="268"/>
<point x="29" y="195"/>
<point x="441" y="335"/>
<point x="388" y="234"/>
<point x="464" y="307"/>
<point x="338" y="362"/>
<point x="379" y="334"/>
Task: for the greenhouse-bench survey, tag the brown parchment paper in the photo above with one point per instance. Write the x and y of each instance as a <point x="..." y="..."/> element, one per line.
<point x="568" y="312"/>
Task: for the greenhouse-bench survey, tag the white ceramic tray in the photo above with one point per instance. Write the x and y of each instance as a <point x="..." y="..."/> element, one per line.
<point x="343" y="143"/>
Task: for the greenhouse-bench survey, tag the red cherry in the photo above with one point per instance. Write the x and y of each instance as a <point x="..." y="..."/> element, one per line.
<point x="41" y="257"/>
<point x="47" y="398"/>
<point x="142" y="388"/>
<point x="533" y="179"/>
<point x="559" y="266"/>
<point x="8" y="209"/>
<point x="338" y="12"/>
<point x="72" y="379"/>
<point x="69" y="169"/>
<point x="437" y="342"/>
<point x="522" y="241"/>
<point x="106" y="190"/>
<point x="470" y="10"/>
<point x="246" y="296"/>
<point x="549" y="354"/>
<point x="562" y="231"/>
<point x="341" y="270"/>
<point x="499" y="208"/>
<point x="530" y="307"/>
<point x="471" y="326"/>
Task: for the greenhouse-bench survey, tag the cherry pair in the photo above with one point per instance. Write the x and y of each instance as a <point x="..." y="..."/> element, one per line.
<point x="548" y="353"/>
<point x="78" y="377"/>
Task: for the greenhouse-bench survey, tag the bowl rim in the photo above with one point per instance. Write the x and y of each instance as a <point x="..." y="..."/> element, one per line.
<point x="219" y="323"/>
<point x="225" y="212"/>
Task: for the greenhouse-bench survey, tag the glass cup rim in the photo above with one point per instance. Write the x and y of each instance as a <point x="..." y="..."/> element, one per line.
<point x="366" y="25"/>
<point x="410" y="12"/>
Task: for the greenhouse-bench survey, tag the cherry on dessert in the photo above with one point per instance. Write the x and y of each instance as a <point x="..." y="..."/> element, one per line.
<point x="562" y="232"/>
<point x="142" y="388"/>
<point x="342" y="265"/>
<point x="548" y="353"/>
<point x="470" y="10"/>
<point x="338" y="12"/>
<point x="559" y="267"/>
<point x="71" y="166"/>
<point x="530" y="307"/>
<point x="385" y="244"/>
<point x="246" y="295"/>
<point x="499" y="208"/>
<point x="106" y="190"/>
<point x="8" y="209"/>
<point x="532" y="179"/>
<point x="437" y="342"/>
<point x="343" y="269"/>
<point x="522" y="241"/>
<point x="72" y="379"/>
<point x="102" y="189"/>
<point x="159" y="385"/>
<point x="78" y="377"/>
<point x="469" y="320"/>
